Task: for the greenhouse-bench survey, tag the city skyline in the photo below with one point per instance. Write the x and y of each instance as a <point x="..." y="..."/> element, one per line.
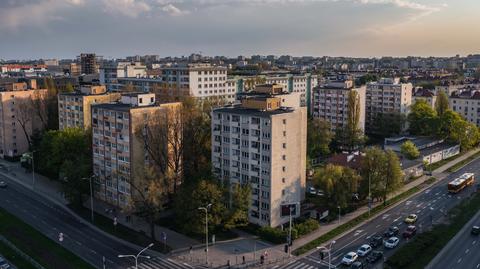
<point x="117" y="28"/>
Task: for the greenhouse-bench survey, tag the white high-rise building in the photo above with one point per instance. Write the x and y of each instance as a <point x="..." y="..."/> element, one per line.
<point x="263" y="144"/>
<point x="110" y="72"/>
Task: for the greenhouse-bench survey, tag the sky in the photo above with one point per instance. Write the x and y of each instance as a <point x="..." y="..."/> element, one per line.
<point x="32" y="29"/>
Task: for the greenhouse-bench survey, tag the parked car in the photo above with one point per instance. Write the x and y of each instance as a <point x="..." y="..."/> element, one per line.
<point x="357" y="265"/>
<point x="3" y="184"/>
<point x="376" y="241"/>
<point x="364" y="250"/>
<point x="375" y="256"/>
<point x="392" y="242"/>
<point x="410" y="219"/>
<point x="350" y="258"/>
<point x="475" y="230"/>
<point x="392" y="231"/>
<point x="410" y="231"/>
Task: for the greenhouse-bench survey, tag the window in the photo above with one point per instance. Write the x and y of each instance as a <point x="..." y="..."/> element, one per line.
<point x="284" y="169"/>
<point x="284" y="145"/>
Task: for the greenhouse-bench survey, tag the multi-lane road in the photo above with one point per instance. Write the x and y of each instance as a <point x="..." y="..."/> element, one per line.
<point x="430" y="205"/>
<point x="51" y="220"/>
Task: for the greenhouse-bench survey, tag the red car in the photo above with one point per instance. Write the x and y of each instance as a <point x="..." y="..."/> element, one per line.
<point x="410" y="231"/>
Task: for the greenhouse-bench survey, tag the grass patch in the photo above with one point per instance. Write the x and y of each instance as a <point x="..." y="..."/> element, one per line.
<point x="354" y="222"/>
<point x="430" y="243"/>
<point x="439" y="164"/>
<point x="39" y="247"/>
<point x="430" y="180"/>
<point x="121" y="231"/>
<point x="457" y="166"/>
<point x="14" y="258"/>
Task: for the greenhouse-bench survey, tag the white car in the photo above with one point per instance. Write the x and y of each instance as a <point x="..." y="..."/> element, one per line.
<point x="364" y="250"/>
<point x="392" y="242"/>
<point x="350" y="258"/>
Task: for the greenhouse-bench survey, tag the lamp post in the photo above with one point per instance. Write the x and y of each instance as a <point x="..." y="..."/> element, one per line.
<point x="329" y="250"/>
<point x="33" y="169"/>
<point x="138" y="255"/>
<point x="338" y="214"/>
<point x="290" y="229"/>
<point x="91" y="194"/>
<point x="206" y="230"/>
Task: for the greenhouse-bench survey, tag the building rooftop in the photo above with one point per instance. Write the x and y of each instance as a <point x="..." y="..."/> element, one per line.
<point x="350" y="160"/>
<point x="238" y="109"/>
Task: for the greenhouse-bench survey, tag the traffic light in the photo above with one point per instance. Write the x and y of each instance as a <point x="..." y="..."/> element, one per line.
<point x="286" y="248"/>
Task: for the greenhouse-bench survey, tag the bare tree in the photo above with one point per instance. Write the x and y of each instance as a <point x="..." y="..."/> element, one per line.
<point x="39" y="103"/>
<point x="24" y="112"/>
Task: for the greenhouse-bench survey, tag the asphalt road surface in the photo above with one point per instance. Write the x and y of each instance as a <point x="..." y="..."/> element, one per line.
<point x="51" y="219"/>
<point x="429" y="205"/>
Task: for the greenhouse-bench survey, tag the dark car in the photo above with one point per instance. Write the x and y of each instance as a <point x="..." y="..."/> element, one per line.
<point x="357" y="265"/>
<point x="410" y="231"/>
<point x="475" y="230"/>
<point x="376" y="241"/>
<point x="392" y="231"/>
<point x="3" y="184"/>
<point x="375" y="257"/>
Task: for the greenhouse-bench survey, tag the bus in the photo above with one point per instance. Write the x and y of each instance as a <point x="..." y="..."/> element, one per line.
<point x="461" y="182"/>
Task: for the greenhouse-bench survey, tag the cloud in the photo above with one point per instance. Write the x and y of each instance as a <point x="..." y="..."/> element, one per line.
<point x="130" y="8"/>
<point x="173" y="10"/>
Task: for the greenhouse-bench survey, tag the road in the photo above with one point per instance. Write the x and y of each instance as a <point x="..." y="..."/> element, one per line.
<point x="462" y="251"/>
<point x="429" y="204"/>
<point x="51" y="219"/>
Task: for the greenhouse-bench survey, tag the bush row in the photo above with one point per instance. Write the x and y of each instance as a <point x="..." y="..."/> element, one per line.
<point x="278" y="236"/>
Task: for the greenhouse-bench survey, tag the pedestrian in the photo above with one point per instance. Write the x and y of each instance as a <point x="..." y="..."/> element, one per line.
<point x="243" y="258"/>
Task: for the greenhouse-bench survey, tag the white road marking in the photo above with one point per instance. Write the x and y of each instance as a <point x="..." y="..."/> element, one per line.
<point x="459" y="260"/>
<point x="478" y="265"/>
<point x="420" y="204"/>
<point x="378" y="226"/>
<point x="357" y="232"/>
<point x="467" y="250"/>
<point x="474" y="241"/>
<point x="368" y="237"/>
<point x="385" y="216"/>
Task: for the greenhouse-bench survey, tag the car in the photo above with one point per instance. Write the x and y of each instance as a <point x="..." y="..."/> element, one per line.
<point x="376" y="241"/>
<point x="475" y="230"/>
<point x="364" y="250"/>
<point x="410" y="219"/>
<point x="357" y="265"/>
<point x="349" y="258"/>
<point x="375" y="256"/>
<point x="312" y="190"/>
<point x="392" y="231"/>
<point x="392" y="242"/>
<point x="410" y="231"/>
<point x="3" y="184"/>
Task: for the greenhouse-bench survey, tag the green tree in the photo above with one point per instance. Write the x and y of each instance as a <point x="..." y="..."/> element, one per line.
<point x="409" y="150"/>
<point x="393" y="179"/>
<point x="422" y="119"/>
<point x="239" y="198"/>
<point x="69" y="88"/>
<point x="441" y="105"/>
<point x="338" y="183"/>
<point x="351" y="137"/>
<point x="456" y="129"/>
<point x="388" y="124"/>
<point x="319" y="137"/>
<point x="366" y="78"/>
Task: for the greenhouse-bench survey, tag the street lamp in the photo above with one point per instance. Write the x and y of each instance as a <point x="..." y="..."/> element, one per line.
<point x="91" y="194"/>
<point x="290" y="229"/>
<point x="33" y="169"/>
<point x="329" y="250"/>
<point x="338" y="214"/>
<point x="206" y="230"/>
<point x="138" y="255"/>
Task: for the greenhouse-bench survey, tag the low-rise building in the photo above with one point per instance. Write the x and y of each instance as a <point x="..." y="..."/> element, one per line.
<point x="261" y="143"/>
<point x="74" y="109"/>
<point x="466" y="102"/>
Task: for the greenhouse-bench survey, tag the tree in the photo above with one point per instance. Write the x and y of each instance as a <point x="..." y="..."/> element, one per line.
<point x="366" y="78"/>
<point x="319" y="137"/>
<point x="456" y="129"/>
<point x="409" y="150"/>
<point x="239" y="201"/>
<point x="69" y="88"/>
<point x="422" y="119"/>
<point x="441" y="105"/>
<point x="351" y="135"/>
<point x="393" y="179"/>
<point x="24" y="117"/>
<point x="388" y="124"/>
<point x="338" y="183"/>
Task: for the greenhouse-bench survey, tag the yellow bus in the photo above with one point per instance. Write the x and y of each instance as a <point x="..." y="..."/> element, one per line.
<point x="461" y="182"/>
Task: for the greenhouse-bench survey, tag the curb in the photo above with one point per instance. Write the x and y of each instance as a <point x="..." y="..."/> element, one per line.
<point x="80" y="219"/>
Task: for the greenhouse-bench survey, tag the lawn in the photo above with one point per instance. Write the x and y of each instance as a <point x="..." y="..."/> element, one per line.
<point x="14" y="258"/>
<point x="430" y="243"/>
<point x="121" y="231"/>
<point x="39" y="247"/>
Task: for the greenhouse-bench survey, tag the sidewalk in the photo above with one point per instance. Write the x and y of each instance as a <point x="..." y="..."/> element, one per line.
<point x="52" y="190"/>
<point x="438" y="173"/>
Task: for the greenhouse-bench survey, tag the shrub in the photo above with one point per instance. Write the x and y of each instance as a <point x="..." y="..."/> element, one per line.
<point x="307" y="227"/>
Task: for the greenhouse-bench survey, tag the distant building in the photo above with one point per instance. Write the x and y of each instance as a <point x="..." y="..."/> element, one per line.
<point x="74" y="109"/>
<point x="466" y="102"/>
<point x="263" y="144"/>
<point x="288" y="99"/>
<point x="88" y="63"/>
<point x="387" y="96"/>
<point x="330" y="103"/>
<point x="119" y="155"/>
<point x="18" y="118"/>
<point x="111" y="71"/>
<point x="426" y="95"/>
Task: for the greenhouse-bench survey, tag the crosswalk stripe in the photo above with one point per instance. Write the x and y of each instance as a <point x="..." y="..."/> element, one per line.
<point x="159" y="263"/>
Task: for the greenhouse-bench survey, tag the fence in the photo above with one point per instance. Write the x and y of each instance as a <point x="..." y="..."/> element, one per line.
<point x="21" y="253"/>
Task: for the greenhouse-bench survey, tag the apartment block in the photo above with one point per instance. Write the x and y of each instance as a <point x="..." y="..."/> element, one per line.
<point x="426" y="95"/>
<point x="466" y="102"/>
<point x="387" y="96"/>
<point x="262" y="143"/>
<point x="330" y="102"/>
<point x="18" y="118"/>
<point x="119" y="155"/>
<point x="203" y="81"/>
<point x="74" y="109"/>
<point x="89" y="63"/>
<point x="111" y="71"/>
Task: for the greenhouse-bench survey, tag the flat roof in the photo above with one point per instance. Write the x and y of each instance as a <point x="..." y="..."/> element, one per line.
<point x="120" y="106"/>
<point x="437" y="148"/>
<point x="251" y="111"/>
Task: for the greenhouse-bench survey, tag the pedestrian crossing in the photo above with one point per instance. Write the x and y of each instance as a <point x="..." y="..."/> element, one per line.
<point x="161" y="263"/>
<point x="308" y="262"/>
<point x="298" y="265"/>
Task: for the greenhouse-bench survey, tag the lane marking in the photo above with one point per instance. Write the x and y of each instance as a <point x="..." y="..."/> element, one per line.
<point x="467" y="250"/>
<point x="459" y="260"/>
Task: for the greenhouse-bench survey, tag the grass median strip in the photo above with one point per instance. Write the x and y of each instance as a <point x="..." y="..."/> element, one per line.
<point x="430" y="243"/>
<point x="457" y="166"/>
<point x="354" y="222"/>
<point x="39" y="247"/>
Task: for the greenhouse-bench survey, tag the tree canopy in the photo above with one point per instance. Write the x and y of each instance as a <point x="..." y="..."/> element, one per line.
<point x="409" y="150"/>
<point x="319" y="137"/>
